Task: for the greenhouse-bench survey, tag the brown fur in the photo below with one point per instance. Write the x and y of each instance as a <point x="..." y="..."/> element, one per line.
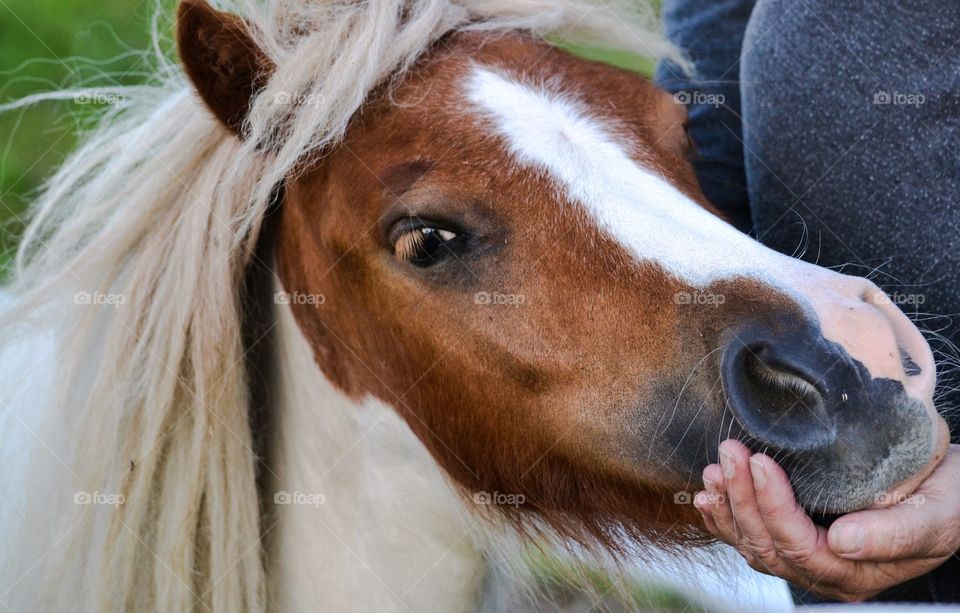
<point x="514" y="400"/>
<point x="558" y="400"/>
<point x="221" y="59"/>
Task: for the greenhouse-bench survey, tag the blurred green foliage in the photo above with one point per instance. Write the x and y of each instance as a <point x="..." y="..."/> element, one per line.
<point x="46" y="45"/>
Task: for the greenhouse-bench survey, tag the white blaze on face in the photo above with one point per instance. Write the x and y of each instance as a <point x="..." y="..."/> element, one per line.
<point x="656" y="222"/>
<point x="650" y="217"/>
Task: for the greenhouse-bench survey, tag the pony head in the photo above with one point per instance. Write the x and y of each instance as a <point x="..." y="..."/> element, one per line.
<point x="502" y="242"/>
<point x="509" y="246"/>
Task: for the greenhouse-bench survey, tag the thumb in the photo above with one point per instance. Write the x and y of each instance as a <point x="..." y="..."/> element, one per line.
<point x="925" y="524"/>
<point x="915" y="528"/>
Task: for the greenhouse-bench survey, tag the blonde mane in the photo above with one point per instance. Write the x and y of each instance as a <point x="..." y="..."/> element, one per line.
<point x="155" y="218"/>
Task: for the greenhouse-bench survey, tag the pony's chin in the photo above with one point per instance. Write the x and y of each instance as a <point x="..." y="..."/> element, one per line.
<point x="894" y="480"/>
<point x="903" y="490"/>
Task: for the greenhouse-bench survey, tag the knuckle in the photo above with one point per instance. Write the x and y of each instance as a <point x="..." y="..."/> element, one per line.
<point x="743" y="550"/>
<point x="754" y="562"/>
<point x="765" y="553"/>
<point x="799" y="555"/>
<point x="726" y="532"/>
<point x="760" y="555"/>
<point x="768" y="560"/>
<point x="759" y="566"/>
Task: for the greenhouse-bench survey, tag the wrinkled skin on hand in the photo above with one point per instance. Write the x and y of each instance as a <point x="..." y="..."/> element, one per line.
<point x="749" y="504"/>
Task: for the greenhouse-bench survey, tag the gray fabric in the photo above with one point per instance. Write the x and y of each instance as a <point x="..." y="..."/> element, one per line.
<point x="850" y="148"/>
<point x="712" y="95"/>
<point x="851" y="119"/>
<point x="851" y="115"/>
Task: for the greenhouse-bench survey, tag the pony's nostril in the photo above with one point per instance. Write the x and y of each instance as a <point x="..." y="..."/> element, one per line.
<point x="913" y="353"/>
<point x="910" y="368"/>
<point x="777" y="397"/>
<point x="774" y="383"/>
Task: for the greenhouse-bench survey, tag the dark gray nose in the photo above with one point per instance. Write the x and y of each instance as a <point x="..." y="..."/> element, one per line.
<point x="841" y="434"/>
<point x="787" y="385"/>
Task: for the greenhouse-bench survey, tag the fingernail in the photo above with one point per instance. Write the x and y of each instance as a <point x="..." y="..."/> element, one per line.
<point x="759" y="472"/>
<point x="846" y="537"/>
<point x="726" y="461"/>
<point x="710" y="486"/>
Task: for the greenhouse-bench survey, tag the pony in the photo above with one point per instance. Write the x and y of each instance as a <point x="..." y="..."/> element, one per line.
<point x="365" y="297"/>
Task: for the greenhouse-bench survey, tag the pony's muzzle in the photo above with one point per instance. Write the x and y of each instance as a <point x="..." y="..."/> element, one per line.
<point x="844" y="383"/>
<point x="793" y="380"/>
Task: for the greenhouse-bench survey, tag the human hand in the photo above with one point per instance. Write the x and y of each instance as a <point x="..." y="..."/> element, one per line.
<point x="749" y="504"/>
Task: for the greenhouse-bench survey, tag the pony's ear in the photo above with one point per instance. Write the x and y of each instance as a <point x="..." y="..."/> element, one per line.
<point x="224" y="63"/>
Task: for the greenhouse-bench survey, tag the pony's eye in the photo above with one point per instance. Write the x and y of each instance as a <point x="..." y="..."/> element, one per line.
<point x="423" y="245"/>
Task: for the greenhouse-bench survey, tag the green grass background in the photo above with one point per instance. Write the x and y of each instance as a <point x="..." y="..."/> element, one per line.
<point x="46" y="45"/>
<point x="49" y="44"/>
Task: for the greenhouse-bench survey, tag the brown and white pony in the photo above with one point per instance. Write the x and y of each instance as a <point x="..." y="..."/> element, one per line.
<point x="385" y="279"/>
